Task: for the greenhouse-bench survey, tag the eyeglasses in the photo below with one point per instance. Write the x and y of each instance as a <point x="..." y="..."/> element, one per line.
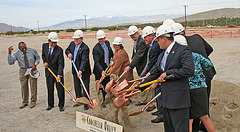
<point x="23" y="48"/>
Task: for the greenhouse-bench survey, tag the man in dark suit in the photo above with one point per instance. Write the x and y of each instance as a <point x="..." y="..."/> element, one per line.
<point x="198" y="45"/>
<point x="148" y="35"/>
<point x="176" y="60"/>
<point x="140" y="49"/>
<point x="102" y="53"/>
<point x="52" y="56"/>
<point x="78" y="51"/>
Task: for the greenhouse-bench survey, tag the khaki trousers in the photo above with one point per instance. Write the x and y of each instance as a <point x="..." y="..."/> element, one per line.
<point x="24" y="87"/>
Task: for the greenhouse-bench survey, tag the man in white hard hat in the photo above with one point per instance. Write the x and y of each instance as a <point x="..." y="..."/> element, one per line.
<point x="139" y="54"/>
<point x="27" y="57"/>
<point x="78" y="51"/>
<point x="148" y="34"/>
<point x="140" y="49"/>
<point x="102" y="54"/>
<point x="176" y="60"/>
<point x="198" y="45"/>
<point x="52" y="56"/>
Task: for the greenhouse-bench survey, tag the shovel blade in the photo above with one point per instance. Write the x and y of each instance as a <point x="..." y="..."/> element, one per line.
<point x="93" y="105"/>
<point x="122" y="85"/>
<point x="109" y="85"/>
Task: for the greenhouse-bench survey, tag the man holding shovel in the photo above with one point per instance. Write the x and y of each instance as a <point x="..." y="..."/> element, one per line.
<point x="78" y="51"/>
<point x="52" y="56"/>
<point x="27" y="57"/>
<point x="102" y="53"/>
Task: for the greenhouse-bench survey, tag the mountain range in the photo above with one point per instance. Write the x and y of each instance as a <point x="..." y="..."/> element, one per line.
<point x="104" y="21"/>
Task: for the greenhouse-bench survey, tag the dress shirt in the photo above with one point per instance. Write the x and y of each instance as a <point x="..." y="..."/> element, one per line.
<point x="32" y="55"/>
<point x="106" y="49"/>
<point x="166" y="53"/>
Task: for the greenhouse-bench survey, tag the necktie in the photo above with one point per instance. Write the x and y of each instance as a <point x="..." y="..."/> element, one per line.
<point x="164" y="60"/>
<point x="75" y="53"/>
<point x="26" y="60"/>
<point x="50" y="51"/>
<point x="106" y="55"/>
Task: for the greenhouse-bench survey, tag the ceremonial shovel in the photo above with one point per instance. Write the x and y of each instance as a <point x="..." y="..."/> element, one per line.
<point x="93" y="103"/>
<point x="107" y="70"/>
<point x="139" y="112"/>
<point x="112" y="83"/>
<point x="78" y="101"/>
<point x="119" y="88"/>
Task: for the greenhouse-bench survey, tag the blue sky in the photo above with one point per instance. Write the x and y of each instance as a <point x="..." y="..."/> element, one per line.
<point x="26" y="13"/>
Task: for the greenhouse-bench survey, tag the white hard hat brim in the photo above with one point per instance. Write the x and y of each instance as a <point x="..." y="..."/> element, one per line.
<point x="116" y="43"/>
<point x="54" y="40"/>
<point x="75" y="37"/>
<point x="35" y="75"/>
<point x="100" y="37"/>
<point x="131" y="33"/>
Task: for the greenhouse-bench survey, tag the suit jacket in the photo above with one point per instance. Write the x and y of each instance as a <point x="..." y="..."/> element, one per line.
<point x="98" y="57"/>
<point x="199" y="45"/>
<point x="55" y="61"/>
<point x="82" y="58"/>
<point x="154" y="52"/>
<point x="175" y="92"/>
<point x="139" y="59"/>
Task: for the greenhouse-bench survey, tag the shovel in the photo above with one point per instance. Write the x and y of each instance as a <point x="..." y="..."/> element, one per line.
<point x="107" y="70"/>
<point x="124" y="84"/>
<point x="93" y="103"/>
<point x="78" y="101"/>
<point x="121" y="100"/>
<point x="112" y="83"/>
<point x="139" y="112"/>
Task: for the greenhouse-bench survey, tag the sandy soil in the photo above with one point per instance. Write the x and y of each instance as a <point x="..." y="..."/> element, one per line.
<point x="224" y="105"/>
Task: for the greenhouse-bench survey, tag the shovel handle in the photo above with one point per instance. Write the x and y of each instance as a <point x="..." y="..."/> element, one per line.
<point x="148" y="83"/>
<point x="107" y="72"/>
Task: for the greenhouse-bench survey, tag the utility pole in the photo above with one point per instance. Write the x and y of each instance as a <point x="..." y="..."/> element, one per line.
<point x="85" y="21"/>
<point x="185" y="8"/>
<point x="38" y="25"/>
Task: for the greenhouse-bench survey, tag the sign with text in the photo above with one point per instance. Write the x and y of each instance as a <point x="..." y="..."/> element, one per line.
<point x="94" y="124"/>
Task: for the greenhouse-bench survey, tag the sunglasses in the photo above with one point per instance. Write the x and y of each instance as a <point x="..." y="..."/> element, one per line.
<point x="23" y="48"/>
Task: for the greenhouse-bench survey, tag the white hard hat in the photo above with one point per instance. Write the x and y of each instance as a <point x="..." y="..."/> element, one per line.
<point x="117" y="41"/>
<point x="53" y="37"/>
<point x="147" y="31"/>
<point x="78" y="34"/>
<point x="34" y="74"/>
<point x="164" y="30"/>
<point x="132" y="30"/>
<point x="168" y="22"/>
<point x="180" y="39"/>
<point x="177" y="28"/>
<point x="100" y="34"/>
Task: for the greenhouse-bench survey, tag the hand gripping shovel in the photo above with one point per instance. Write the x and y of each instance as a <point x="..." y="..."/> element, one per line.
<point x="78" y="101"/>
<point x="112" y="83"/>
<point x="93" y="103"/>
<point x="139" y="112"/>
<point x="107" y="70"/>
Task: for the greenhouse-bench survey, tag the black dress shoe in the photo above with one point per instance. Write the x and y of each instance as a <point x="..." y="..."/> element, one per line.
<point x="49" y="108"/>
<point x="61" y="109"/>
<point x="86" y="107"/>
<point x="158" y="119"/>
<point x="76" y="105"/>
<point x="155" y="113"/>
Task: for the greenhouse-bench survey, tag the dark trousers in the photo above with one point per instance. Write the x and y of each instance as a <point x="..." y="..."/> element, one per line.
<point x="60" y="91"/>
<point x="79" y="91"/>
<point x="159" y="100"/>
<point x="196" y="122"/>
<point x="176" y="120"/>
<point x="104" y="83"/>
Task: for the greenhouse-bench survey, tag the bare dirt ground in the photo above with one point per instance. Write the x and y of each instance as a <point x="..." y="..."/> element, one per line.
<point x="224" y="107"/>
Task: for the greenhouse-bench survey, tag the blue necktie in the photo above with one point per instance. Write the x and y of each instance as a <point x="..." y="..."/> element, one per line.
<point x="75" y="53"/>
<point x="164" y="60"/>
<point x="106" y="55"/>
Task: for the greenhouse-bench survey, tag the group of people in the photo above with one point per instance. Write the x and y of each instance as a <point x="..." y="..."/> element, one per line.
<point x="156" y="55"/>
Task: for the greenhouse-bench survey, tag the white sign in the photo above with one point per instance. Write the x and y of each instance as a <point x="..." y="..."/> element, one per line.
<point x="94" y="124"/>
